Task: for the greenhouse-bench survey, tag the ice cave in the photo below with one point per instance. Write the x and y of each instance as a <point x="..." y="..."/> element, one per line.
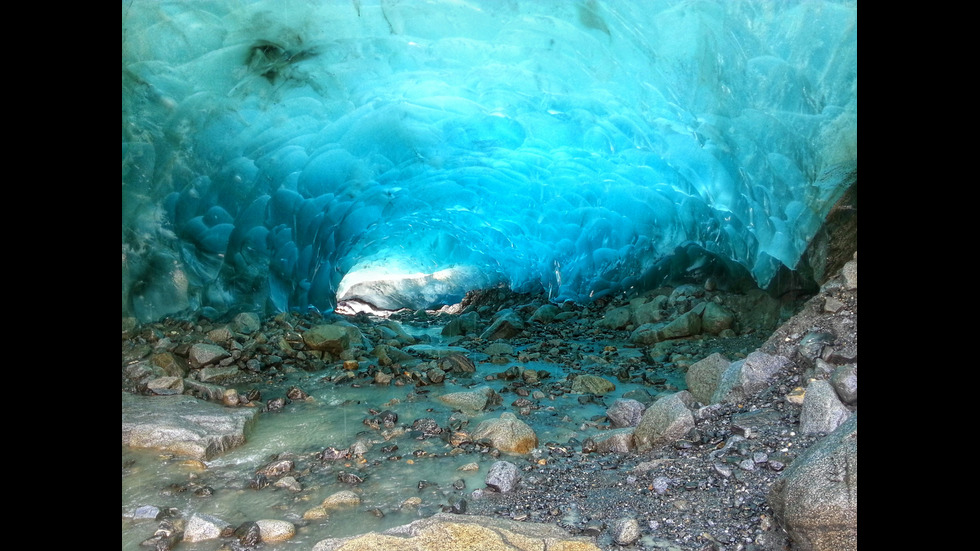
<point x="292" y="155"/>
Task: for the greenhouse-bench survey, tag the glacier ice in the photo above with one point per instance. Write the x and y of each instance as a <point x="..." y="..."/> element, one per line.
<point x="285" y="155"/>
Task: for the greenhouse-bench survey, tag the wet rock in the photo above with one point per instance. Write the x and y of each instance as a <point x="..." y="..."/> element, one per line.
<point x="289" y="483"/>
<point x="716" y="318"/>
<point x="276" y="468"/>
<point x="333" y="454"/>
<point x="202" y="527"/>
<point x="592" y="384"/>
<point x="850" y="273"/>
<point x="436" y="375"/>
<point x="503" y="476"/>
<point x="426" y="426"/>
<point x="275" y="404"/>
<point x="507" y="434"/>
<point x="457" y="362"/>
<point x="249" y="534"/>
<point x="473" y="400"/>
<point x="333" y="338"/>
<point x="273" y="530"/>
<point x="343" y="498"/>
<point x="169" y="533"/>
<point x="458" y="508"/>
<point x="183" y="425"/>
<point x="815" y="499"/>
<point x="650" y="311"/>
<point x="349" y="478"/>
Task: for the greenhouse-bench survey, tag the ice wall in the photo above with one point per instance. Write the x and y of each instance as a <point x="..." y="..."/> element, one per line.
<point x="286" y="154"/>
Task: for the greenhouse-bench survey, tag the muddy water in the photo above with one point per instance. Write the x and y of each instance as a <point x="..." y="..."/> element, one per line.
<point x="333" y="416"/>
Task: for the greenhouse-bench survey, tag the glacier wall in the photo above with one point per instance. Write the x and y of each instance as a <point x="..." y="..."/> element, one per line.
<point x="288" y="154"/>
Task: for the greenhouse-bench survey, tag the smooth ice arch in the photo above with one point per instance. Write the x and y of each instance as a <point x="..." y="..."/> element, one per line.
<point x="283" y="154"/>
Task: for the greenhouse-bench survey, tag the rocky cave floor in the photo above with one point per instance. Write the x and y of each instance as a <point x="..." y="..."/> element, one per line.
<point x="706" y="491"/>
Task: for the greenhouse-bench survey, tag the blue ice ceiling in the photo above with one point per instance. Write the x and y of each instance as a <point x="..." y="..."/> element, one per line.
<point x="280" y="155"/>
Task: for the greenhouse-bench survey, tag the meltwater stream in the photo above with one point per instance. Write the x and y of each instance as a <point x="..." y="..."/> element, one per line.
<point x="404" y="477"/>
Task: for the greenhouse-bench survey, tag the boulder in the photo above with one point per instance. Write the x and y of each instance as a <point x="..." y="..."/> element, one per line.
<point x="444" y="531"/>
<point x="685" y="325"/>
<point x="822" y="410"/>
<point x="625" y="412"/>
<point x="333" y="337"/>
<point x="507" y="433"/>
<point x="545" y="313"/>
<point x="703" y="377"/>
<point x="506" y="324"/>
<point x="202" y="354"/>
<point x="665" y="421"/>
<point x="276" y="530"/>
<point x="617" y="318"/>
<point x="616" y="440"/>
<point x="748" y="377"/>
<point x="183" y="425"/>
<point x="815" y="499"/>
<point x="471" y="400"/>
<point x="716" y="318"/>
<point x="502" y="476"/>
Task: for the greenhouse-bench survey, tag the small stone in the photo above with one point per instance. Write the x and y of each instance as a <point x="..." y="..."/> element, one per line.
<point x="626" y="531"/>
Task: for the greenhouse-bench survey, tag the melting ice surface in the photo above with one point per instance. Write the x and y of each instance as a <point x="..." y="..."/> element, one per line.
<point x="285" y="155"/>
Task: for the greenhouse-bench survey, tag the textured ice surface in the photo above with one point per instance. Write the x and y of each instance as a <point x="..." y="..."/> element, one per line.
<point x="279" y="154"/>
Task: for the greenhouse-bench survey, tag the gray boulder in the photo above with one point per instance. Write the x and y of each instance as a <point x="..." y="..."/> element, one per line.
<point x="625" y="412"/>
<point x="845" y="382"/>
<point x="822" y="409"/>
<point x="716" y="318"/>
<point x="503" y="476"/>
<point x="183" y="425"/>
<point x="471" y="400"/>
<point x="748" y="377"/>
<point x="703" y="376"/>
<point x="202" y="527"/>
<point x="202" y="354"/>
<point x="665" y="421"/>
<point x="815" y="500"/>
<point x="507" y="433"/>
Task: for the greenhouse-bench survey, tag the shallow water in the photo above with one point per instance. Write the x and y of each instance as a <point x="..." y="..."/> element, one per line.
<point x="333" y="417"/>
